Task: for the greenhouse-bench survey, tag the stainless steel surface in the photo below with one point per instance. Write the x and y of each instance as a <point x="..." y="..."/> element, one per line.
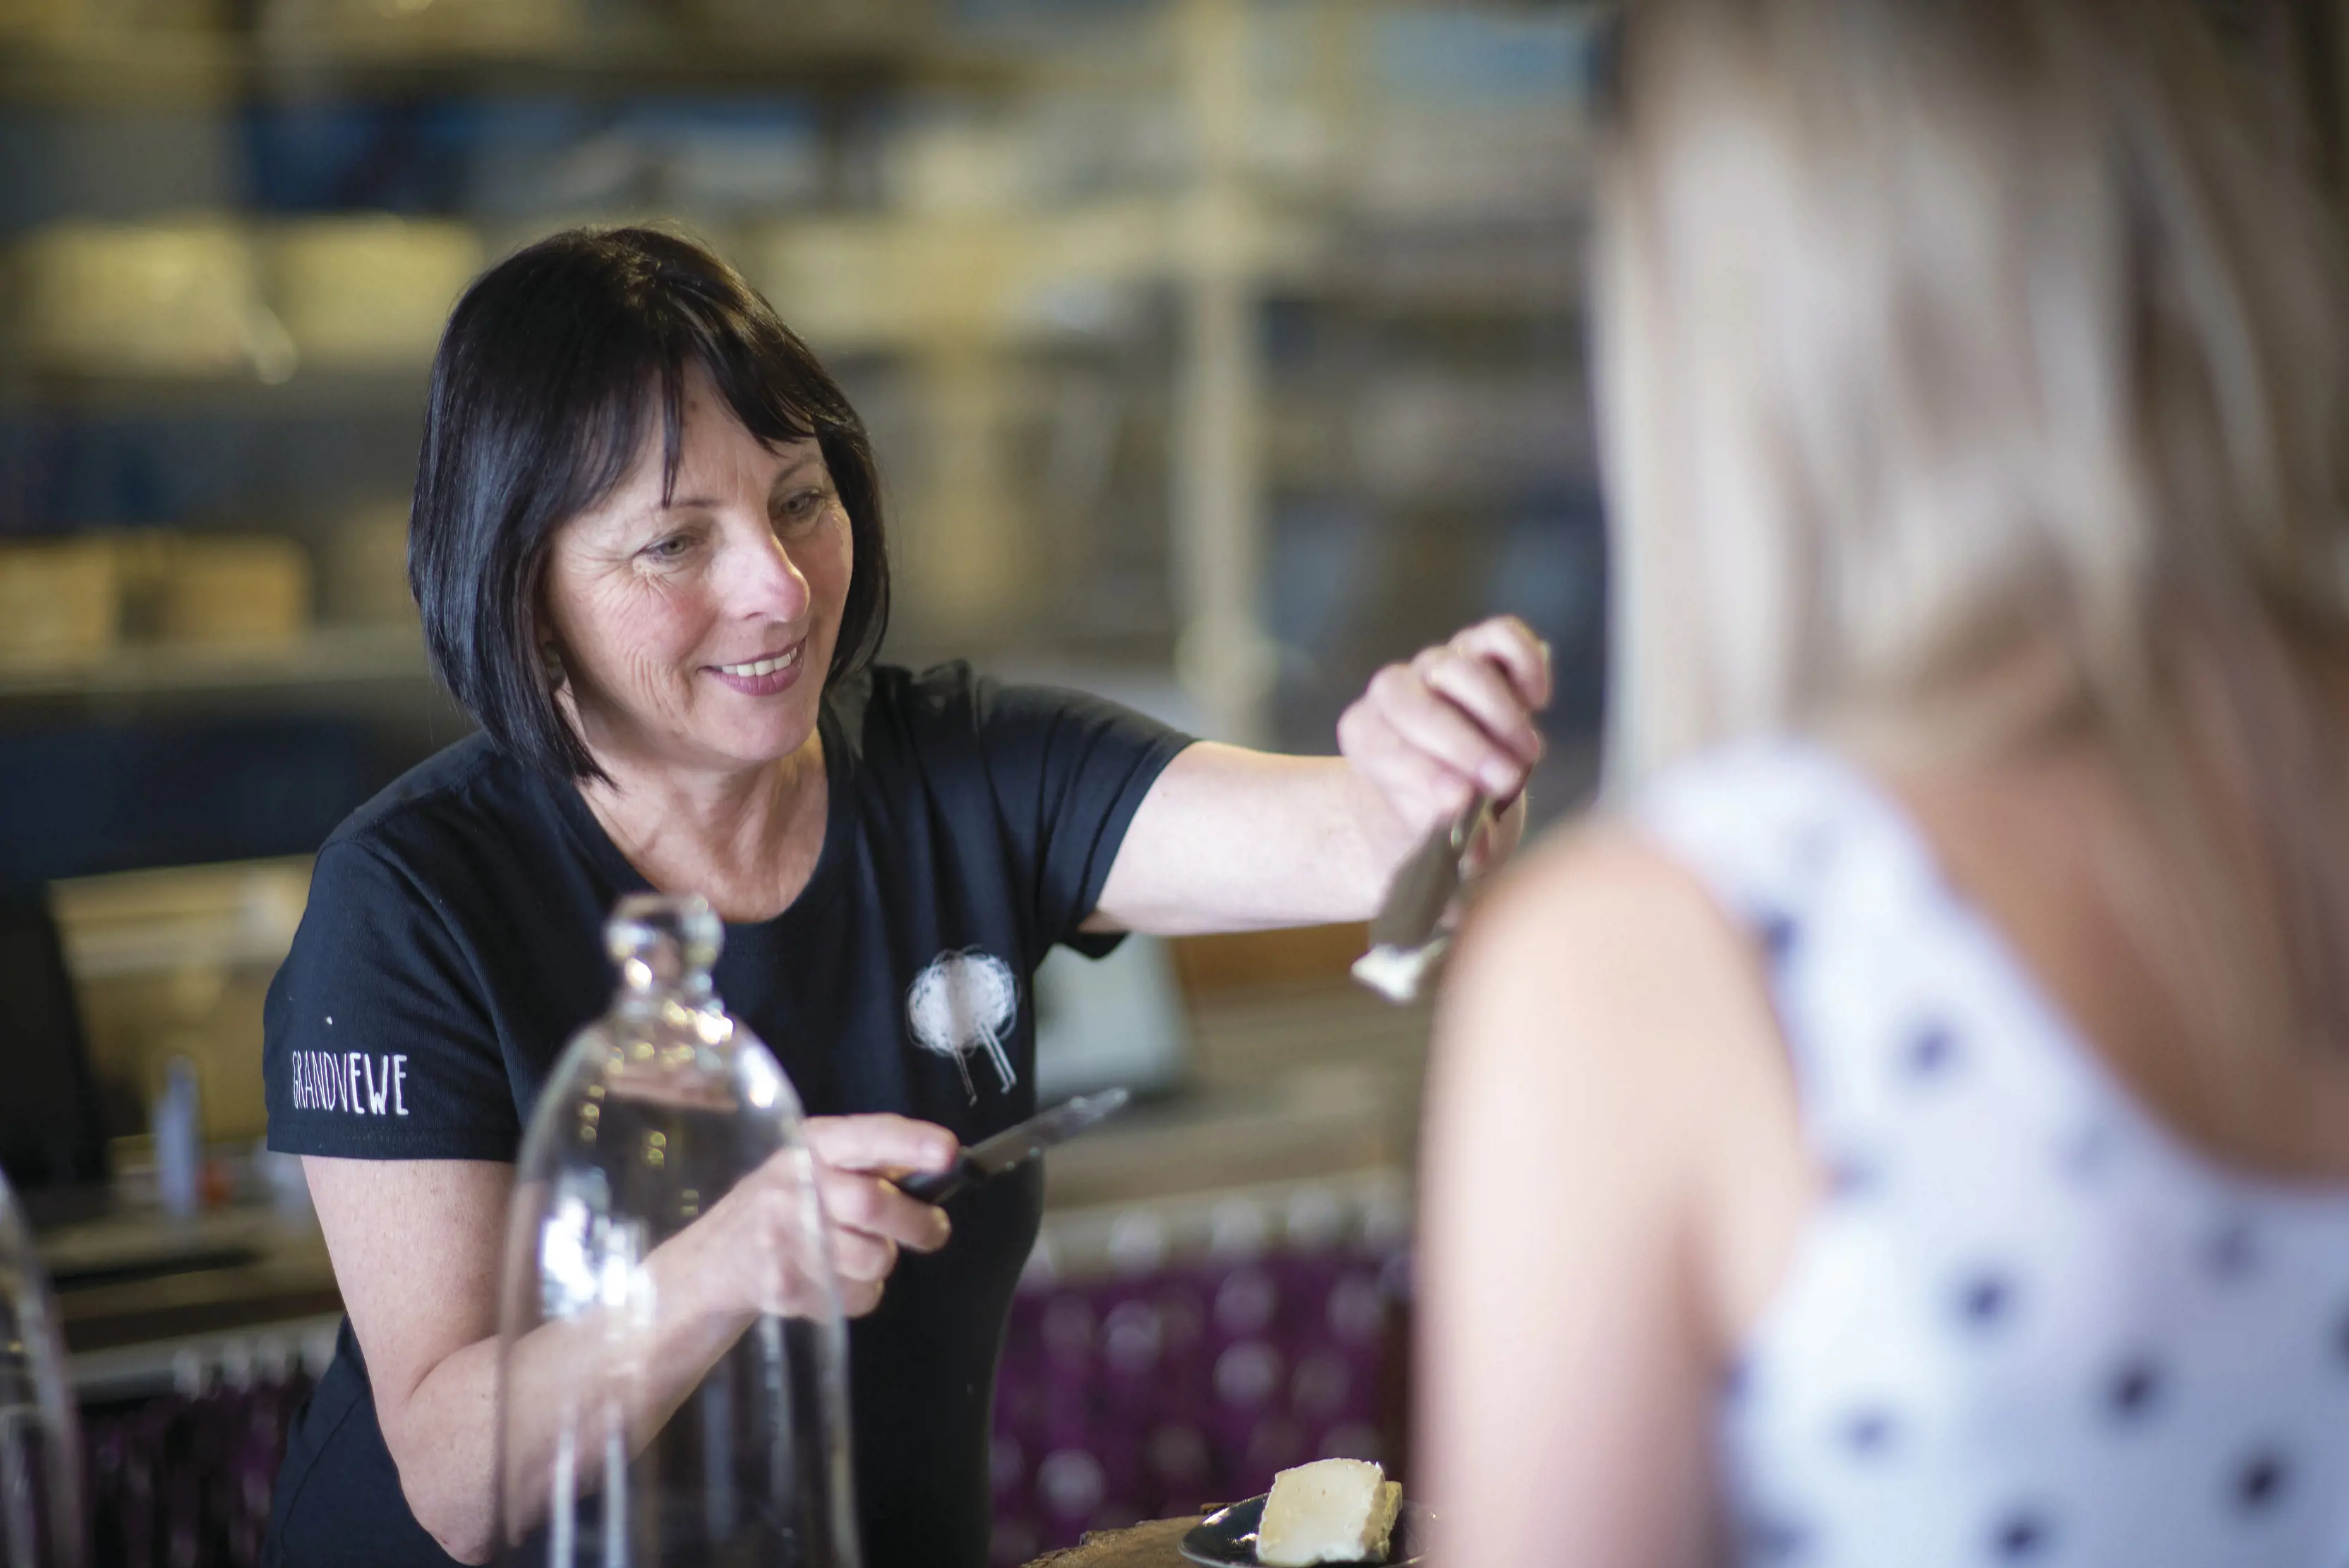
<point x="1033" y="1137"/>
<point x="1406" y="945"/>
<point x="1013" y="1145"/>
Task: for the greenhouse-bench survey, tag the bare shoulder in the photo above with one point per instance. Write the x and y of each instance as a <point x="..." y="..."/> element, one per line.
<point x="1600" y="923"/>
<point x="1602" y="996"/>
<point x="1603" y="857"/>
<point x="1599" y="1109"/>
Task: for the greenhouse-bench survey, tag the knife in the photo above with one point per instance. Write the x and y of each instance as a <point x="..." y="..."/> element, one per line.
<point x="1014" y="1146"/>
<point x="1405" y="946"/>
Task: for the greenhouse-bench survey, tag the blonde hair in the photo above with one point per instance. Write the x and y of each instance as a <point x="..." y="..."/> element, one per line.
<point x="1974" y="373"/>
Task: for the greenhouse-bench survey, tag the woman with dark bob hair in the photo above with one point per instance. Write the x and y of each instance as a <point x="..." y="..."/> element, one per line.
<point x="648" y="543"/>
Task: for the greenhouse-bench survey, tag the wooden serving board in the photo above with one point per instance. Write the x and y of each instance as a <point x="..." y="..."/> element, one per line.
<point x="1151" y="1545"/>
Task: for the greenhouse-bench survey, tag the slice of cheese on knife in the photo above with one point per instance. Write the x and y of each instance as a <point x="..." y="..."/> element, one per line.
<point x="1332" y="1510"/>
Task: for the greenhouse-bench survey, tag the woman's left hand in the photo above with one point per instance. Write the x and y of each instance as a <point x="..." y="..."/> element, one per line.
<point x="1230" y="839"/>
<point x="1454" y="720"/>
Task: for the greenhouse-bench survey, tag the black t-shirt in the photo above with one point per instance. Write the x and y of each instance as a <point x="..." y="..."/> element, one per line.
<point x="453" y="944"/>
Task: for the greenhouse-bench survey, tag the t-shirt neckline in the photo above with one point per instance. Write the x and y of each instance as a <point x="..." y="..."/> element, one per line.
<point x="580" y="820"/>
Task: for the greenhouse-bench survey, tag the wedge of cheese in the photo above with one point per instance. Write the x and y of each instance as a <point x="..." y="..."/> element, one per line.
<point x="1332" y="1510"/>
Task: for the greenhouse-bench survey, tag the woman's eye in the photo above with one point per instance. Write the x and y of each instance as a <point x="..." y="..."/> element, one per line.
<point x="668" y="549"/>
<point x="802" y="505"/>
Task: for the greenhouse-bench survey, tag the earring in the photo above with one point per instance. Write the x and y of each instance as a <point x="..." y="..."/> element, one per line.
<point x="551" y="662"/>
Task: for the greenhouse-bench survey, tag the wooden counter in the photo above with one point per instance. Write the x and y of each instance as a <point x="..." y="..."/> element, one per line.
<point x="143" y="1277"/>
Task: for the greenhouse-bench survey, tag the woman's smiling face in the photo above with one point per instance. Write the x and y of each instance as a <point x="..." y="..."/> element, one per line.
<point x="696" y="633"/>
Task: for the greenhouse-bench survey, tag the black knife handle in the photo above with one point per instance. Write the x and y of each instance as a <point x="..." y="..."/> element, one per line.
<point x="1014" y="1146"/>
<point x="936" y="1186"/>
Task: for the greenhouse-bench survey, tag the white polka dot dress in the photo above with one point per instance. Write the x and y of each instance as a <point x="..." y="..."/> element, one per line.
<point x="2026" y="1325"/>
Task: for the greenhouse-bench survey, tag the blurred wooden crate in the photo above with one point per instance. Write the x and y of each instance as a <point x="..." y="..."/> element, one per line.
<point x="38" y="18"/>
<point x="827" y="23"/>
<point x="60" y="602"/>
<point x="176" y="297"/>
<point x="245" y="591"/>
<point x="398" y="27"/>
<point x="58" y="21"/>
<point x="366" y="567"/>
<point x="369" y="293"/>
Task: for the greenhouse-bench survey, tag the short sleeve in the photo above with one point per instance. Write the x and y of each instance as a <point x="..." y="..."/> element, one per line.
<point x="376" y="1041"/>
<point x="1069" y="770"/>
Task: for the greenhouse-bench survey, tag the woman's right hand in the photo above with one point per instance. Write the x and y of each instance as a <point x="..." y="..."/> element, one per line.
<point x="415" y="1246"/>
<point x="858" y="1160"/>
<point x="747" y="1255"/>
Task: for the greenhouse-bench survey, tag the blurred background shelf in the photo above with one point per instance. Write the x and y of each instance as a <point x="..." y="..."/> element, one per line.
<point x="322" y="656"/>
<point x="303" y="394"/>
<point x="1154" y="307"/>
<point x="197" y="66"/>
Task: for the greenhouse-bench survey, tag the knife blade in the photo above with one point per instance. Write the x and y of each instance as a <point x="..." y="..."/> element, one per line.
<point x="1405" y="946"/>
<point x="1014" y="1146"/>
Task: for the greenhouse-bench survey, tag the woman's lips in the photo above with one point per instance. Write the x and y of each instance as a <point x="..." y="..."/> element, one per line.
<point x="765" y="675"/>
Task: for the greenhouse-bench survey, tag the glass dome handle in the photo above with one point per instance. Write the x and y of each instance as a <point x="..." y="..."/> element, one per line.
<point x="662" y="942"/>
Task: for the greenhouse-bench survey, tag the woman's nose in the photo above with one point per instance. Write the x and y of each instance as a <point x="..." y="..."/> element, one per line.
<point x="765" y="581"/>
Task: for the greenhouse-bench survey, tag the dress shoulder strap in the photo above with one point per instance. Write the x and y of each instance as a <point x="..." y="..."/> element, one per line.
<point x="1843" y="898"/>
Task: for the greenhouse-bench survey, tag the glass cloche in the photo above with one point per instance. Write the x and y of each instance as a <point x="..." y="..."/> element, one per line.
<point x="41" y="1524"/>
<point x="672" y="1356"/>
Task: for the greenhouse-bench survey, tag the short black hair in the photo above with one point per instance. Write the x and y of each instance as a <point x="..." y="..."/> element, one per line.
<point x="546" y="378"/>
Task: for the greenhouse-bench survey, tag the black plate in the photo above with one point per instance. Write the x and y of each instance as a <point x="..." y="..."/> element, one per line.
<point x="1227" y="1538"/>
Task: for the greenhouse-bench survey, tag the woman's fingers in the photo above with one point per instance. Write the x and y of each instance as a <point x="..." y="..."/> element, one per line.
<point x="1458" y="719"/>
<point x="1446" y="710"/>
<point x="858" y="1258"/>
<point x="1419" y="781"/>
<point x="756" y="1238"/>
<point x="880" y="1142"/>
<point x="1419" y="789"/>
<point x="857" y="1153"/>
<point x="869" y="1205"/>
<point x="1480" y="688"/>
<point x="1510" y="644"/>
<point x="1437" y="730"/>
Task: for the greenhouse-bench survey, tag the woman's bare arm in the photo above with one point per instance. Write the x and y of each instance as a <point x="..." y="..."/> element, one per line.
<point x="1233" y="840"/>
<point x="1230" y="839"/>
<point x="415" y="1246"/>
<point x="1610" y="1181"/>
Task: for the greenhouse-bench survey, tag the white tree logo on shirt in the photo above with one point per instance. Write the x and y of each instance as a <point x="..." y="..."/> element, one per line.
<point x="962" y="1002"/>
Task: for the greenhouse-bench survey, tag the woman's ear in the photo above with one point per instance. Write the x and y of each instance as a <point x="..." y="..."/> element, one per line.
<point x="542" y="632"/>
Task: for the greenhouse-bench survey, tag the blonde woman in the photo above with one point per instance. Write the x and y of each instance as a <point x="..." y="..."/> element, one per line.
<point x="1930" y="1088"/>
